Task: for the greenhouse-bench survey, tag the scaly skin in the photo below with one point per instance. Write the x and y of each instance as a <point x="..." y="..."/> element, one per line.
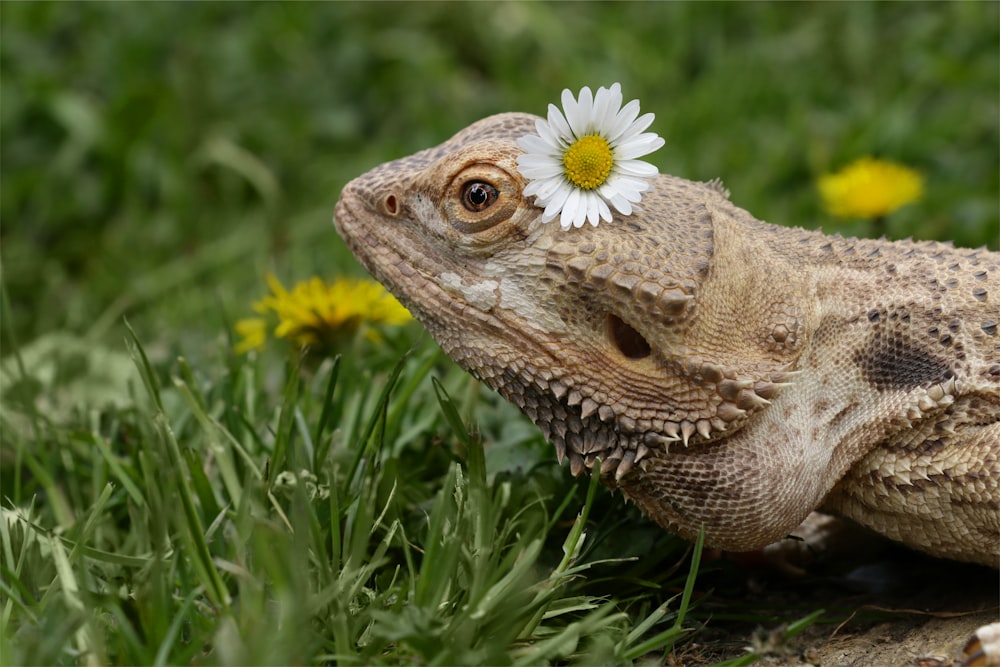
<point x="726" y="373"/>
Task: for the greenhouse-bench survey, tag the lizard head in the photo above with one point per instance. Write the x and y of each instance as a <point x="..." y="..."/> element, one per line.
<point x="589" y="331"/>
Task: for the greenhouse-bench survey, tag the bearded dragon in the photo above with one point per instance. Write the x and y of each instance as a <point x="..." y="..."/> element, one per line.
<point x="725" y="374"/>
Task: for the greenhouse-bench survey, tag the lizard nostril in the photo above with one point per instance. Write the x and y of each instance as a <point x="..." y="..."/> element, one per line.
<point x="628" y="341"/>
<point x="391" y="205"/>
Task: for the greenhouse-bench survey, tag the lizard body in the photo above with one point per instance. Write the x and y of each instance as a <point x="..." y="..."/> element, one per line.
<point x="722" y="371"/>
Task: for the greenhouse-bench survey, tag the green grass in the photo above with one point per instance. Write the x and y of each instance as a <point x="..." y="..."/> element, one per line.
<point x="166" y="501"/>
<point x="179" y="531"/>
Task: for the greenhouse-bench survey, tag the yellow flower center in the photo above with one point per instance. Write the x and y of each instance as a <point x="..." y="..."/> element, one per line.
<point x="588" y="162"/>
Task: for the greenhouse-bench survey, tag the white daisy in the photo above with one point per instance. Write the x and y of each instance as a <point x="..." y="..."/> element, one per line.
<point x="582" y="161"/>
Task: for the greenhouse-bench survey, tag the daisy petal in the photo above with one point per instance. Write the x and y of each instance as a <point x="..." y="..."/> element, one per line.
<point x="569" y="209"/>
<point x="542" y="171"/>
<point x="621" y="204"/>
<point x="533" y="146"/>
<point x="569" y="108"/>
<point x="605" y="107"/>
<point x="637" y="168"/>
<point x="604" y="210"/>
<point x="578" y="113"/>
<point x="616" y="195"/>
<point x="557" y="203"/>
<point x="551" y="186"/>
<point x="623" y="120"/>
<point x="548" y="135"/>
<point x="631" y="188"/>
<point x="614" y="104"/>
<point x="637" y="126"/>
<point x="590" y="208"/>
<point x="558" y="123"/>
<point x="638" y="146"/>
<point x="534" y="160"/>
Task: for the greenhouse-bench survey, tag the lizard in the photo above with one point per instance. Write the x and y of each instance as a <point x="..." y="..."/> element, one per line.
<point x="726" y="374"/>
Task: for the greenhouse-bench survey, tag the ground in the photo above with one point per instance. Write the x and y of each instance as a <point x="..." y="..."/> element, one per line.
<point x="894" y="607"/>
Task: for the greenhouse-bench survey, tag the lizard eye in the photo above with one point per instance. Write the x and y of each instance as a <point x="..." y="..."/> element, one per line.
<point x="478" y="196"/>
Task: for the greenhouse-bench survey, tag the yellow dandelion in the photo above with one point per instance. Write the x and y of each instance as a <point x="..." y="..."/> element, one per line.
<point x="317" y="313"/>
<point x="870" y="188"/>
<point x="253" y="334"/>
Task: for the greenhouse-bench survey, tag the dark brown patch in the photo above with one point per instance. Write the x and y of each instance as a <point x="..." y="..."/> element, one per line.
<point x="929" y="446"/>
<point x="892" y="362"/>
<point x="820" y="406"/>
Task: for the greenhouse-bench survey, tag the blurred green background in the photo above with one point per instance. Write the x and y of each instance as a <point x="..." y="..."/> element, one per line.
<point x="158" y="159"/>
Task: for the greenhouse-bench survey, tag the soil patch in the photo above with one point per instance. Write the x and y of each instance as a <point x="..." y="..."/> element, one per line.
<point x="899" y="608"/>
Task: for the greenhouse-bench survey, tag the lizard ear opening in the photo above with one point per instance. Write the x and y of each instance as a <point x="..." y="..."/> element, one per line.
<point x="627" y="340"/>
<point x="391" y="205"/>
